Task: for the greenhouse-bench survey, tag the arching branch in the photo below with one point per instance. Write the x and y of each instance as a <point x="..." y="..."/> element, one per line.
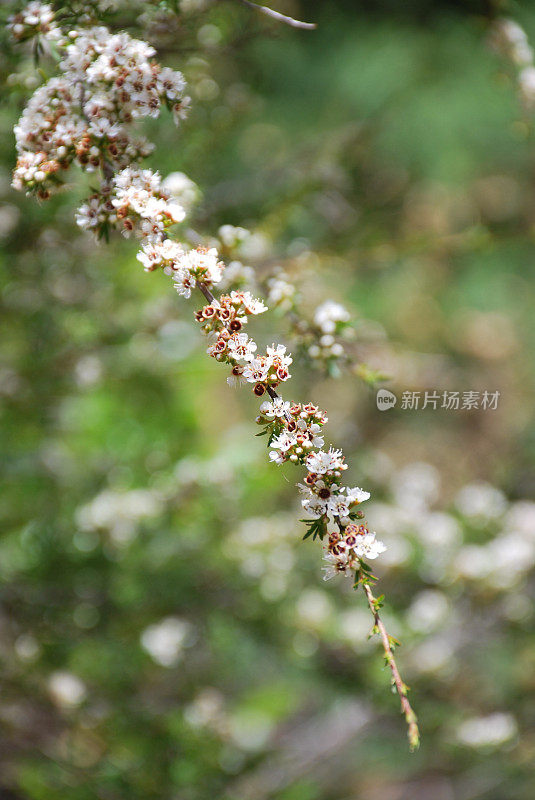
<point x="269" y="12"/>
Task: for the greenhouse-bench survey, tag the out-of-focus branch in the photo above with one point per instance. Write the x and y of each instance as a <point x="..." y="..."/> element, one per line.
<point x="269" y="12"/>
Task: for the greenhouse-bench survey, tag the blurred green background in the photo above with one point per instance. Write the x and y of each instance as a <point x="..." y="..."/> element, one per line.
<point x="164" y="633"/>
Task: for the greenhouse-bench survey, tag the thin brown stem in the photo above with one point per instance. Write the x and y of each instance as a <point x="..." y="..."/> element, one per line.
<point x="206" y="291"/>
<point x="272" y="393"/>
<point x="411" y="719"/>
<point x="276" y="15"/>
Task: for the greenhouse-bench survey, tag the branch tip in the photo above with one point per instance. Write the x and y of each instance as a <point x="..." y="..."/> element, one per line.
<point x="276" y="15"/>
<point x="413" y="733"/>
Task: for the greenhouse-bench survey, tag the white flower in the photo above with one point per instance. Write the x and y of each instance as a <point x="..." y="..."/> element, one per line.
<point x="275" y="408"/>
<point x="232" y="236"/>
<point x="170" y="83"/>
<point x="368" y="546"/>
<point x="35" y="18"/>
<point x="489" y="731"/>
<point x="181" y="189"/>
<point x="321" y="461"/>
<point x="88" y="215"/>
<point x="277" y="353"/>
<point x="250" y="304"/>
<point x="281" y="292"/>
<point x="176" y="211"/>
<point x="328" y="314"/>
<point x="137" y="191"/>
<point x="237" y="273"/>
<point x="284" y="441"/>
<point x="356" y="495"/>
<point x="324" y="500"/>
<point x="256" y="370"/>
<point x="311" y="432"/>
<point x="336" y="565"/>
<point x="155" y="252"/>
<point x="241" y="347"/>
<point x="314" y="505"/>
<point x="203" y="263"/>
<point x="481" y="500"/>
<point x="181" y="109"/>
<point x="236" y="377"/>
<point x="337" y="506"/>
<point x="184" y="282"/>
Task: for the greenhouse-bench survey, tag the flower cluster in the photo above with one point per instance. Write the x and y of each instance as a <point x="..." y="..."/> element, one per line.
<point x="132" y="201"/>
<point x="320" y="339"/>
<point x="223" y="320"/>
<point x="84" y="114"/>
<point x="265" y="372"/>
<point x="348" y="548"/>
<point x="282" y="293"/>
<point x="330" y="320"/>
<point x="511" y="41"/>
<point x="329" y="317"/>
<point x="294" y="429"/>
<point x="34" y="20"/>
<point x="335" y="508"/>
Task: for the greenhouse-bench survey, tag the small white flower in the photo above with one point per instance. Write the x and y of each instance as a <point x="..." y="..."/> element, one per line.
<point x="356" y="495"/>
<point x="336" y="565"/>
<point x="88" y="214"/>
<point x="232" y="236"/>
<point x="284" y="441"/>
<point x="328" y="314"/>
<point x="236" y="377"/>
<point x="368" y="546"/>
<point x="250" y="304"/>
<point x="278" y="355"/>
<point x="240" y="347"/>
<point x="183" y="190"/>
<point x="204" y="264"/>
<point x="275" y="408"/>
<point x="321" y="461"/>
<point x="281" y="293"/>
<point x="256" y="370"/>
<point x="184" y="282"/>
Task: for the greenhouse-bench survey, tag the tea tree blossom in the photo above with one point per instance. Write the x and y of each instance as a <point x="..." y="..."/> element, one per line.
<point x="328" y="314"/>
<point x="85" y="115"/>
<point x="34" y="20"/>
<point x="320" y="340"/>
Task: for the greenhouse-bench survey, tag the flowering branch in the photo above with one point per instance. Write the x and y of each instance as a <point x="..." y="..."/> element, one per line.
<point x="269" y="12"/>
<point x="85" y="115"/>
<point x="322" y="342"/>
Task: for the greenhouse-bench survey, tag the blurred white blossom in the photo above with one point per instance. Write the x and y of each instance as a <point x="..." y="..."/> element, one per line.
<point x="66" y="689"/>
<point x="165" y="640"/>
<point x="490" y="731"/>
